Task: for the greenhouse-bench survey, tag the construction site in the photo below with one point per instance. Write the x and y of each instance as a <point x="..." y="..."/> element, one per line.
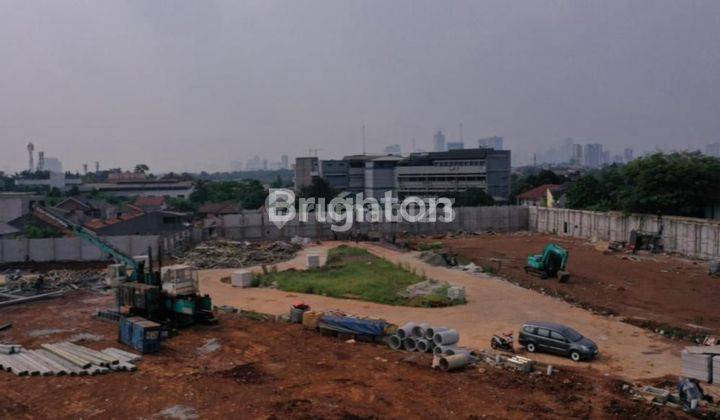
<point x="321" y="328"/>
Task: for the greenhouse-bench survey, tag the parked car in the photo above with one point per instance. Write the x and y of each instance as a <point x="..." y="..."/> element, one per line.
<point x="555" y="338"/>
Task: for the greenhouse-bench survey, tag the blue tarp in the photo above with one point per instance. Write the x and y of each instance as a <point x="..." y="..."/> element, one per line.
<point x="350" y="325"/>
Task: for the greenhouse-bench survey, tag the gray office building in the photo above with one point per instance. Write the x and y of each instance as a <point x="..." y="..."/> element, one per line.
<point x="439" y="173"/>
<point x="336" y="173"/>
<point x="306" y="168"/>
<point x="380" y="176"/>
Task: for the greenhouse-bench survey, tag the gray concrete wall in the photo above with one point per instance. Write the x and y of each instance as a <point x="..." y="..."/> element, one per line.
<point x="696" y="238"/>
<point x="70" y="249"/>
<point x="254" y="225"/>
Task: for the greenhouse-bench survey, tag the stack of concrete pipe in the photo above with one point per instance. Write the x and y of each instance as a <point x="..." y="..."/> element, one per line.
<point x="440" y="341"/>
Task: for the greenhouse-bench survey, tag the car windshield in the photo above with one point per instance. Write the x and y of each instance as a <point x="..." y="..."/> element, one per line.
<point x="572" y="335"/>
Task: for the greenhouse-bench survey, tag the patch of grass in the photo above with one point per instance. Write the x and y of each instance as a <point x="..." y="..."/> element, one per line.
<point x="430" y="246"/>
<point x="354" y="273"/>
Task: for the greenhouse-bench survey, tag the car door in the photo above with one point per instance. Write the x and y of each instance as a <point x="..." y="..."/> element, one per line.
<point x="543" y="339"/>
<point x="558" y="342"/>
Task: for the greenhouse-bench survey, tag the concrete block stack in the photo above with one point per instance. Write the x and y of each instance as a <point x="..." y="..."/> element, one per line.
<point x="697" y="365"/>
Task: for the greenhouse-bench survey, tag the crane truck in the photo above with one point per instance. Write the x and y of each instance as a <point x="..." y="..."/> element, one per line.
<point x="168" y="296"/>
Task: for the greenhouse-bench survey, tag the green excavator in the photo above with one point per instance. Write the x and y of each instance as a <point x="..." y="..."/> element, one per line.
<point x="551" y="263"/>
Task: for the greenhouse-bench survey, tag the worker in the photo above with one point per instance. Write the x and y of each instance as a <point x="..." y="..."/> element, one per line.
<point x="690" y="393"/>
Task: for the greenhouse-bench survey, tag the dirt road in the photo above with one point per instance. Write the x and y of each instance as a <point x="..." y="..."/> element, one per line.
<point x="493" y="305"/>
<point x="245" y="368"/>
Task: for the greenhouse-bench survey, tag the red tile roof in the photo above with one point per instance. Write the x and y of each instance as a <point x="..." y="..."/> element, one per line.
<point x="94" y="224"/>
<point x="538" y="193"/>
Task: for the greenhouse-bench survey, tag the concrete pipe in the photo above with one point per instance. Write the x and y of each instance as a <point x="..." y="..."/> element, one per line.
<point x="423" y="345"/>
<point x="437" y="350"/>
<point x="452" y="351"/>
<point x="410" y="344"/>
<point x="395" y="342"/>
<point x="458" y="361"/>
<point x="431" y="331"/>
<point x="446" y="338"/>
<point x="406" y="330"/>
<point x="418" y="331"/>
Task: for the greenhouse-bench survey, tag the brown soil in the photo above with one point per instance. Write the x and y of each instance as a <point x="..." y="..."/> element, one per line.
<point x="658" y="291"/>
<point x="266" y="369"/>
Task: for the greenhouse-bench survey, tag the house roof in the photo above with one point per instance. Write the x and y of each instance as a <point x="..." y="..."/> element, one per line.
<point x="6" y="229"/>
<point x="94" y="224"/>
<point x="149" y="201"/>
<point x="227" y="207"/>
<point x="538" y="193"/>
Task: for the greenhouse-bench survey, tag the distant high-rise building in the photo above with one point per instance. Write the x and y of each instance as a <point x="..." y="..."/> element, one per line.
<point x="605" y="157"/>
<point x="393" y="149"/>
<point x="455" y="145"/>
<point x="494" y="142"/>
<point x="236" y="166"/>
<point x="439" y="141"/>
<point x="713" y="149"/>
<point x="577" y="154"/>
<point x="284" y="162"/>
<point x="593" y="155"/>
<point x="566" y="150"/>
<point x="254" y="164"/>
<point x="628" y="155"/>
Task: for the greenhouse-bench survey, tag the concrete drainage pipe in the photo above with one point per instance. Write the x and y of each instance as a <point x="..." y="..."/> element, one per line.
<point x="406" y="330"/>
<point x="431" y="331"/>
<point x="423" y="345"/>
<point x="410" y="344"/>
<point x="395" y="342"/>
<point x="452" y="351"/>
<point x="454" y="362"/>
<point x="418" y="331"/>
<point x="446" y="338"/>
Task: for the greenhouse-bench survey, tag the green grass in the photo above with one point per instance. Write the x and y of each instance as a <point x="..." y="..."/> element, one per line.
<point x="354" y="273"/>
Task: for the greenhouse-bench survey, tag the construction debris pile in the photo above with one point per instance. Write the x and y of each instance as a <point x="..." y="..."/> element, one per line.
<point x="237" y="254"/>
<point x="64" y="358"/>
<point x="17" y="287"/>
<point x="434" y="287"/>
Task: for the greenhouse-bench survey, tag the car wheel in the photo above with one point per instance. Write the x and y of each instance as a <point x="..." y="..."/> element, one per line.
<point x="531" y="347"/>
<point x="575" y="356"/>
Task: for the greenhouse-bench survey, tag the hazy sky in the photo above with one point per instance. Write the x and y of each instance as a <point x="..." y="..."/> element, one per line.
<point x="185" y="85"/>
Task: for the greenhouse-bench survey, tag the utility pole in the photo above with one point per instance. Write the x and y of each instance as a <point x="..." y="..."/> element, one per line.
<point x="363" y="137"/>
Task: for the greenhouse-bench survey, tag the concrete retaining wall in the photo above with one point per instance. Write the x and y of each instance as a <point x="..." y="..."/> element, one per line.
<point x="254" y="225"/>
<point x="70" y="249"/>
<point x="696" y="238"/>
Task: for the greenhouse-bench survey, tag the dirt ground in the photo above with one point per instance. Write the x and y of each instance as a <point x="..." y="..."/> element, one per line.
<point x="653" y="289"/>
<point x="266" y="369"/>
<point x="493" y="305"/>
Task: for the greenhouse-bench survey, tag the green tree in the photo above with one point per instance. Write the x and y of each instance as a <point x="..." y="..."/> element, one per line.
<point x="319" y="188"/>
<point x="141" y="168"/>
<point x="473" y="197"/>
